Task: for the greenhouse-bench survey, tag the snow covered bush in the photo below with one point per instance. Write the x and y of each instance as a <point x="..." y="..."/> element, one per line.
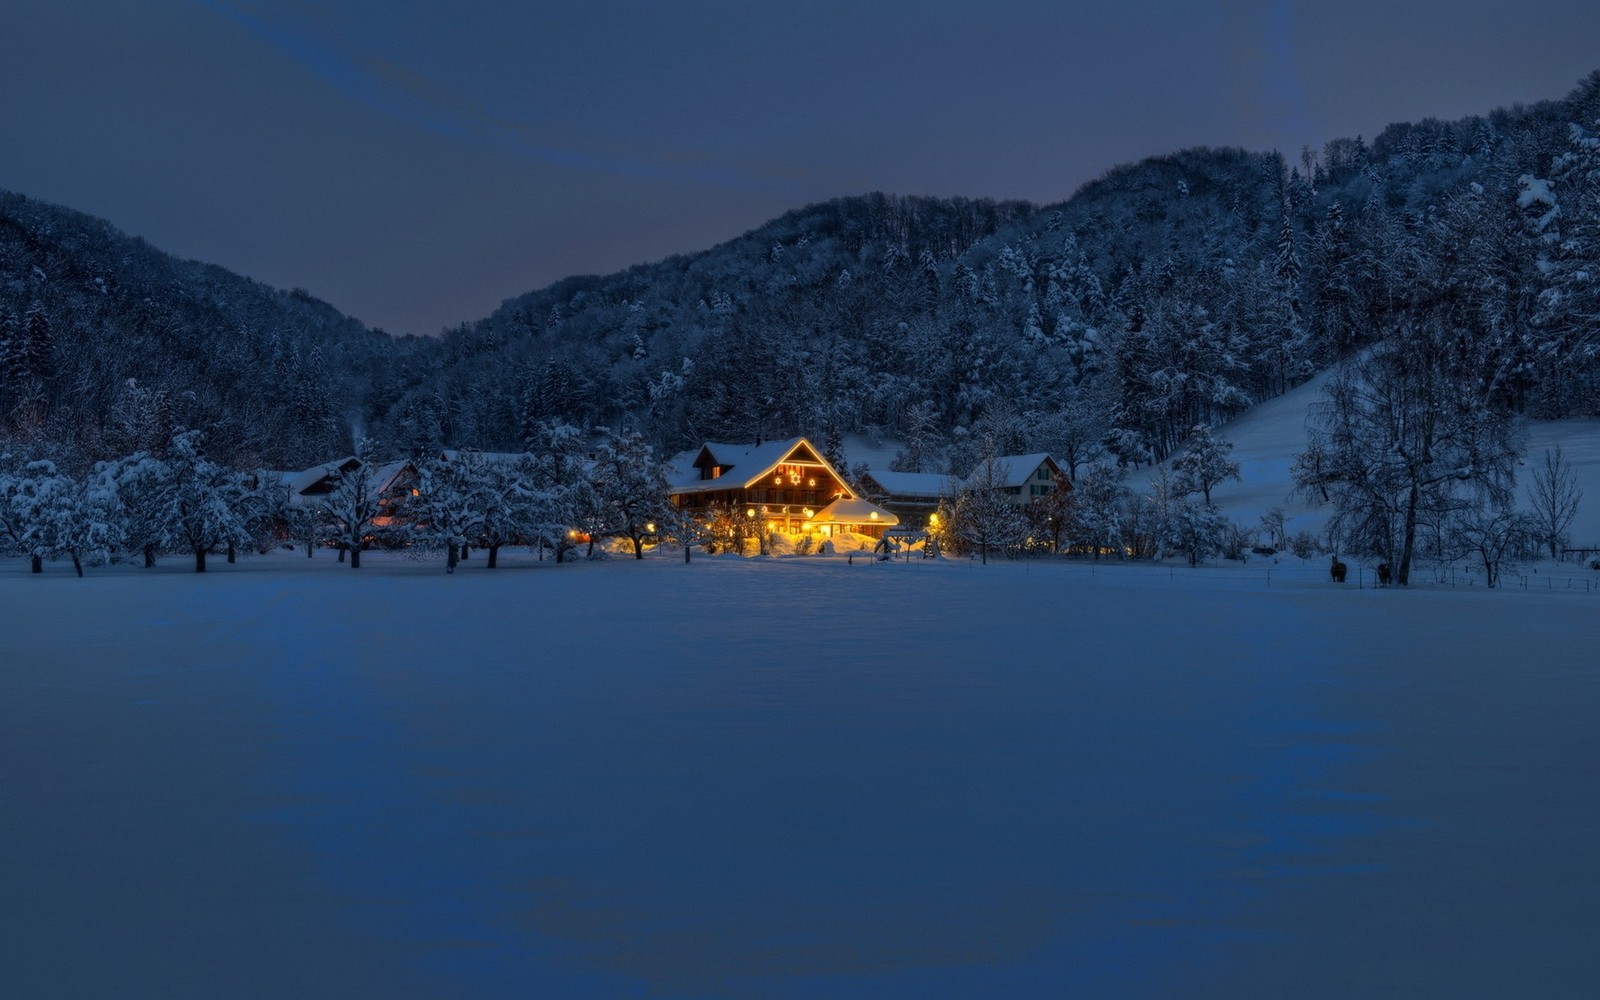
<point x="1304" y="544"/>
<point x="62" y="517"/>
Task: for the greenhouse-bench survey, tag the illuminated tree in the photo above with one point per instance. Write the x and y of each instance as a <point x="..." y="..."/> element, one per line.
<point x="632" y="487"/>
<point x="982" y="516"/>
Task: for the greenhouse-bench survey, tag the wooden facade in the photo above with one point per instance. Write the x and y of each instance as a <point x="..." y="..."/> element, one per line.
<point x="783" y="483"/>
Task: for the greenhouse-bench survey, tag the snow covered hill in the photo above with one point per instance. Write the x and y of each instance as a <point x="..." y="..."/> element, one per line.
<point x="1267" y="438"/>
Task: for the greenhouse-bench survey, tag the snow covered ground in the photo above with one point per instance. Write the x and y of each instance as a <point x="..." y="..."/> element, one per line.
<point x="794" y="778"/>
<point x="1266" y="439"/>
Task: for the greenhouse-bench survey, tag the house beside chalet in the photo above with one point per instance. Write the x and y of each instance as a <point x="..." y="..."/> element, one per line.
<point x="786" y="484"/>
<point x="388" y="482"/>
<point x="914" y="496"/>
<point x="1023" y="478"/>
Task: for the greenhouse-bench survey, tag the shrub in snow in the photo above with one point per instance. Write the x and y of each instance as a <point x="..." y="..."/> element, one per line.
<point x="1304" y="544"/>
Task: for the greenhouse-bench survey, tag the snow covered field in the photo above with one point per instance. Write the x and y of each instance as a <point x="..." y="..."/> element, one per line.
<point x="794" y="778"/>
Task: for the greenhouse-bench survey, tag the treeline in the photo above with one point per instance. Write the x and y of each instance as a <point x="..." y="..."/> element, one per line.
<point x="179" y="500"/>
<point x="1170" y="293"/>
<point x="1177" y="291"/>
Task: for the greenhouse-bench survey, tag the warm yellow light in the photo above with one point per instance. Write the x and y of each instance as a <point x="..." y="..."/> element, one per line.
<point x="650" y="527"/>
<point x="751" y="512"/>
<point x="777" y="480"/>
<point x="811" y="482"/>
<point x="933" y="519"/>
<point x="873" y="515"/>
<point x="809" y="513"/>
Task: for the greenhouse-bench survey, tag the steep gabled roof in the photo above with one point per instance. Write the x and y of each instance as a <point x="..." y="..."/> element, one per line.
<point x="1016" y="470"/>
<point x="745" y="465"/>
<point x="300" y="480"/>
<point x="309" y="485"/>
<point x="381" y="477"/>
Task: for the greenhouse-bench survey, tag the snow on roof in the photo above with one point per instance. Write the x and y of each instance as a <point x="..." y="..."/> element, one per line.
<point x="920" y="485"/>
<point x="844" y="511"/>
<point x="300" y="480"/>
<point x="747" y="463"/>
<point x="1015" y="470"/>
<point x="379" y="477"/>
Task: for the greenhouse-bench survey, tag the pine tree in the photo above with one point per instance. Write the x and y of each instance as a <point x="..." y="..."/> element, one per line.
<point x="1204" y="463"/>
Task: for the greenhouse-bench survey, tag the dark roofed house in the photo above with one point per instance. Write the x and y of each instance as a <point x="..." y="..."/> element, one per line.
<point x="913" y="497"/>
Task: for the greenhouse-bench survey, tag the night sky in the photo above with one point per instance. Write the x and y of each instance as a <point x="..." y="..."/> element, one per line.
<point x="417" y="163"/>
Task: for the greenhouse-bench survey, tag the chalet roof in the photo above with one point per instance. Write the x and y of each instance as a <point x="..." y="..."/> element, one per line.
<point x="746" y="465"/>
<point x="300" y="480"/>
<point x="379" y="477"/>
<point x="1016" y="470"/>
<point x="912" y="485"/>
<point x="844" y="511"/>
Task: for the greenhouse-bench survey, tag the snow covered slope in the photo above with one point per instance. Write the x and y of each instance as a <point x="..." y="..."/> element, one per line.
<point x="1268" y="437"/>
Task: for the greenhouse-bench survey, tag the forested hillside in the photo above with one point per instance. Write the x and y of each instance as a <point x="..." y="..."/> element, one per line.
<point x="107" y="345"/>
<point x="1176" y="291"/>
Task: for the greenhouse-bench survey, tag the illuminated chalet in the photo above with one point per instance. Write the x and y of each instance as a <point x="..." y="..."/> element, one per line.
<point x="787" y="484"/>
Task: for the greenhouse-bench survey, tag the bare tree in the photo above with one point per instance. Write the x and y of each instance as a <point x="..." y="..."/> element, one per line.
<point x="1403" y="429"/>
<point x="984" y="518"/>
<point x="1488" y="532"/>
<point x="1554" y="497"/>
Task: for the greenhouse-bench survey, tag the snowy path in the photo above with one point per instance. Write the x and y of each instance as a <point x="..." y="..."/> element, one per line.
<point x="793" y="778"/>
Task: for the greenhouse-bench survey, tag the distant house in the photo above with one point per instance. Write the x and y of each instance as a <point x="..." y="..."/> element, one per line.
<point x="787" y="484"/>
<point x="388" y="482"/>
<point x="913" y="497"/>
<point x="1023" y="478"/>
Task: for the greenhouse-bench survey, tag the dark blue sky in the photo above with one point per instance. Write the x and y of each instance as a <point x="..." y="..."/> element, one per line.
<point x="417" y="163"/>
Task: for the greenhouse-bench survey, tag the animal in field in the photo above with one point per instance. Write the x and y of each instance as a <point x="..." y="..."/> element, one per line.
<point x="1384" y="576"/>
<point x="1337" y="570"/>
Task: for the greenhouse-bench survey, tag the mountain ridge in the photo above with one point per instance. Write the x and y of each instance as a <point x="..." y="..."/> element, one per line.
<point x="938" y="318"/>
